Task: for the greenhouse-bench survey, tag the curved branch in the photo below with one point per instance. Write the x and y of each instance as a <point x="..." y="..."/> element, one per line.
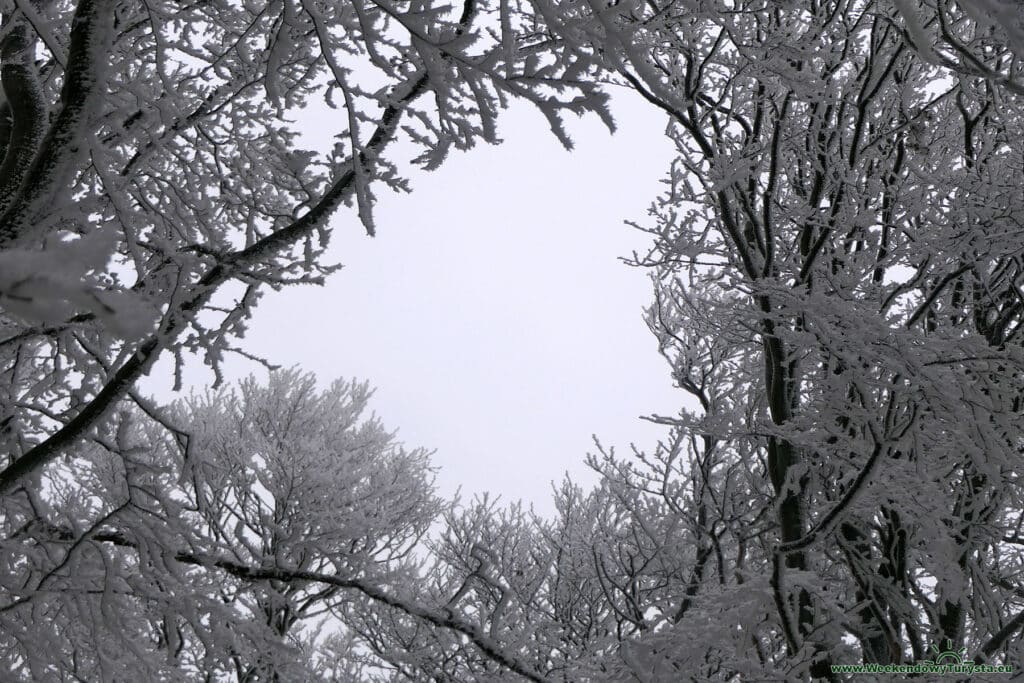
<point x="443" y="619"/>
<point x="832" y="517"/>
<point x="140" y="362"/>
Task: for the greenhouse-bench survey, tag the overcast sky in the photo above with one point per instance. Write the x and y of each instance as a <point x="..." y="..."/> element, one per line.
<point x="491" y="311"/>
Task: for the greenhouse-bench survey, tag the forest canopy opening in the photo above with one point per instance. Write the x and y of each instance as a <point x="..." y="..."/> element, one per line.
<point x="836" y="260"/>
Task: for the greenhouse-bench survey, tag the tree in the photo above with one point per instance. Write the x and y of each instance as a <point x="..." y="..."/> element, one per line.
<point x="285" y="475"/>
<point x="151" y="190"/>
<point x="152" y="186"/>
<point x="837" y="267"/>
<point x="126" y="555"/>
<point x="254" y="549"/>
<point x="836" y="261"/>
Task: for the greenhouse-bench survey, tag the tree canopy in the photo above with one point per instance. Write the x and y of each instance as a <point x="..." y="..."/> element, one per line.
<point x="836" y="261"/>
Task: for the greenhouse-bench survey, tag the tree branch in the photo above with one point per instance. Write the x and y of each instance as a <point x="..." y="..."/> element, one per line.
<point x="91" y="32"/>
<point x="147" y="353"/>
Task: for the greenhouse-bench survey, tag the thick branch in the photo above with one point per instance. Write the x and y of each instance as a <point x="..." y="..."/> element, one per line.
<point x="149" y="350"/>
<point x="441" y="618"/>
<point x="27" y="106"/>
<point x="50" y="171"/>
<point x="829" y="521"/>
<point x="1000" y="637"/>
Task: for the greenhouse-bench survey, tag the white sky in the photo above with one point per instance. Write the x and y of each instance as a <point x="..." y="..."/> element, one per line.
<point x="491" y="311"/>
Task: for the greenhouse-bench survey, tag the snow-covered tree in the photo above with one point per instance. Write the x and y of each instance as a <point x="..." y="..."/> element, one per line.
<point x="251" y="548"/>
<point x="284" y="475"/>
<point x="837" y="268"/>
<point x="837" y="262"/>
<point x="155" y="180"/>
<point x="974" y="38"/>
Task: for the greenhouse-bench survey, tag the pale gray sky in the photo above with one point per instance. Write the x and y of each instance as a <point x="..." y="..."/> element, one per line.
<point x="491" y="311"/>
